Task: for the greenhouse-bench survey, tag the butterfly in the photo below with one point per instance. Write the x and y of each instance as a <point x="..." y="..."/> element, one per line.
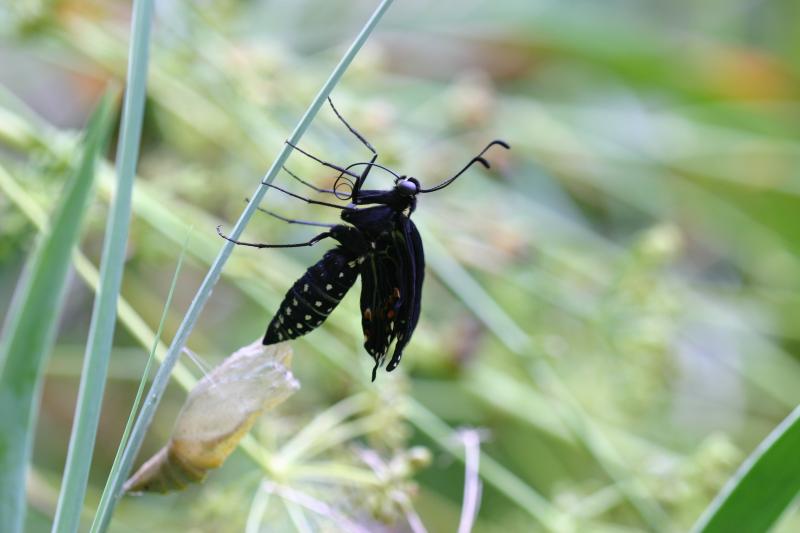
<point x="377" y="242"/>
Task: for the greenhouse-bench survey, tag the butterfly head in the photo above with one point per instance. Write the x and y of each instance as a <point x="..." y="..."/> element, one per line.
<point x="406" y="186"/>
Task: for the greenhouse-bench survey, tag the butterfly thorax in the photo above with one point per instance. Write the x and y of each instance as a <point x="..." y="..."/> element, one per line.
<point x="373" y="221"/>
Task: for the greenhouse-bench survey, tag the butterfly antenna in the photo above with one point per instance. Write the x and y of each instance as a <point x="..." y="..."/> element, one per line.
<point x="477" y="159"/>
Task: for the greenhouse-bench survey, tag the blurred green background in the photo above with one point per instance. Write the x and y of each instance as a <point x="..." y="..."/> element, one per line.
<point x="614" y="302"/>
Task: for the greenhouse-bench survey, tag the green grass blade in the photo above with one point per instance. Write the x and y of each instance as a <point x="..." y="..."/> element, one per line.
<point x="493" y="471"/>
<point x="30" y="329"/>
<point x="103" y="516"/>
<point x="204" y="292"/>
<point x="101" y="329"/>
<point x="128" y="317"/>
<point x="765" y="485"/>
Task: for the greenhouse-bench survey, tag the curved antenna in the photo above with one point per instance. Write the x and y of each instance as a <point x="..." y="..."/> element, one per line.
<point x="477" y="159"/>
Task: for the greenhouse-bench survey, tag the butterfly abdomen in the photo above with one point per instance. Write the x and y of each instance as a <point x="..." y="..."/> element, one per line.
<point x="312" y="297"/>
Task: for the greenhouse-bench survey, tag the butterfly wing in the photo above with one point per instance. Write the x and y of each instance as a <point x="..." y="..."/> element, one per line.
<point x="391" y="277"/>
<point x="414" y="275"/>
<point x="312" y="297"/>
<point x="378" y="279"/>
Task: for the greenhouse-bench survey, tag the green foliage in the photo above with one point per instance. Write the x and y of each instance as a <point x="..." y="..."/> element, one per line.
<point x="31" y="322"/>
<point x="112" y="263"/>
<point x="163" y="375"/>
<point x="764" y="487"/>
<point x="614" y="302"/>
<point x="115" y="477"/>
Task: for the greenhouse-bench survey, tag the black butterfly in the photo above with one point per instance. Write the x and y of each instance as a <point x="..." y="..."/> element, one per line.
<point x="380" y="243"/>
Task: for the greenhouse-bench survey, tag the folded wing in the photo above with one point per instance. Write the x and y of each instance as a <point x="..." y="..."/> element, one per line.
<point x="391" y="277"/>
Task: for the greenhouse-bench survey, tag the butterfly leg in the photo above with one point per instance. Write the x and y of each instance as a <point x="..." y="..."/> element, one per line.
<point x="324" y="163"/>
<point x="341" y="180"/>
<point x="310" y="242"/>
<point x="294" y="220"/>
<point x="354" y="131"/>
<point x="307" y="200"/>
<point x="307" y="184"/>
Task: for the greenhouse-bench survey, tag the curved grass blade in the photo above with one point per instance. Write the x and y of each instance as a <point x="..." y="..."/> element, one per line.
<point x="104" y="316"/>
<point x="204" y="291"/>
<point x="30" y="328"/>
<point x="139" y="329"/>
<point x="103" y="508"/>
<point x="495" y="474"/>
<point x="128" y="317"/>
<point x="765" y="485"/>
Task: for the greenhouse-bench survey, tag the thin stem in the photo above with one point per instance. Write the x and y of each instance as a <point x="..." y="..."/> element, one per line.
<point x="320" y="426"/>
<point x="314" y="505"/>
<point x="343" y="433"/>
<point x="472" y="481"/>
<point x="548" y="515"/>
<point x="112" y="264"/>
<point x="412" y="517"/>
<point x="297" y="516"/>
<point x="105" y="499"/>
<point x="162" y="377"/>
<point x="257" y="510"/>
<point x="31" y="322"/>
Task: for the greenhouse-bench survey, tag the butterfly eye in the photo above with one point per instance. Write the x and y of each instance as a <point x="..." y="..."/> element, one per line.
<point x="408" y="186"/>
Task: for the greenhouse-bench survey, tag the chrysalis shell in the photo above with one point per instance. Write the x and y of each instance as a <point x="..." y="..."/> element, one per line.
<point x="218" y="412"/>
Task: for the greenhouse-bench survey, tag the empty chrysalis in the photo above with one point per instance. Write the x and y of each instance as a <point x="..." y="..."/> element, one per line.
<point x="217" y="414"/>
